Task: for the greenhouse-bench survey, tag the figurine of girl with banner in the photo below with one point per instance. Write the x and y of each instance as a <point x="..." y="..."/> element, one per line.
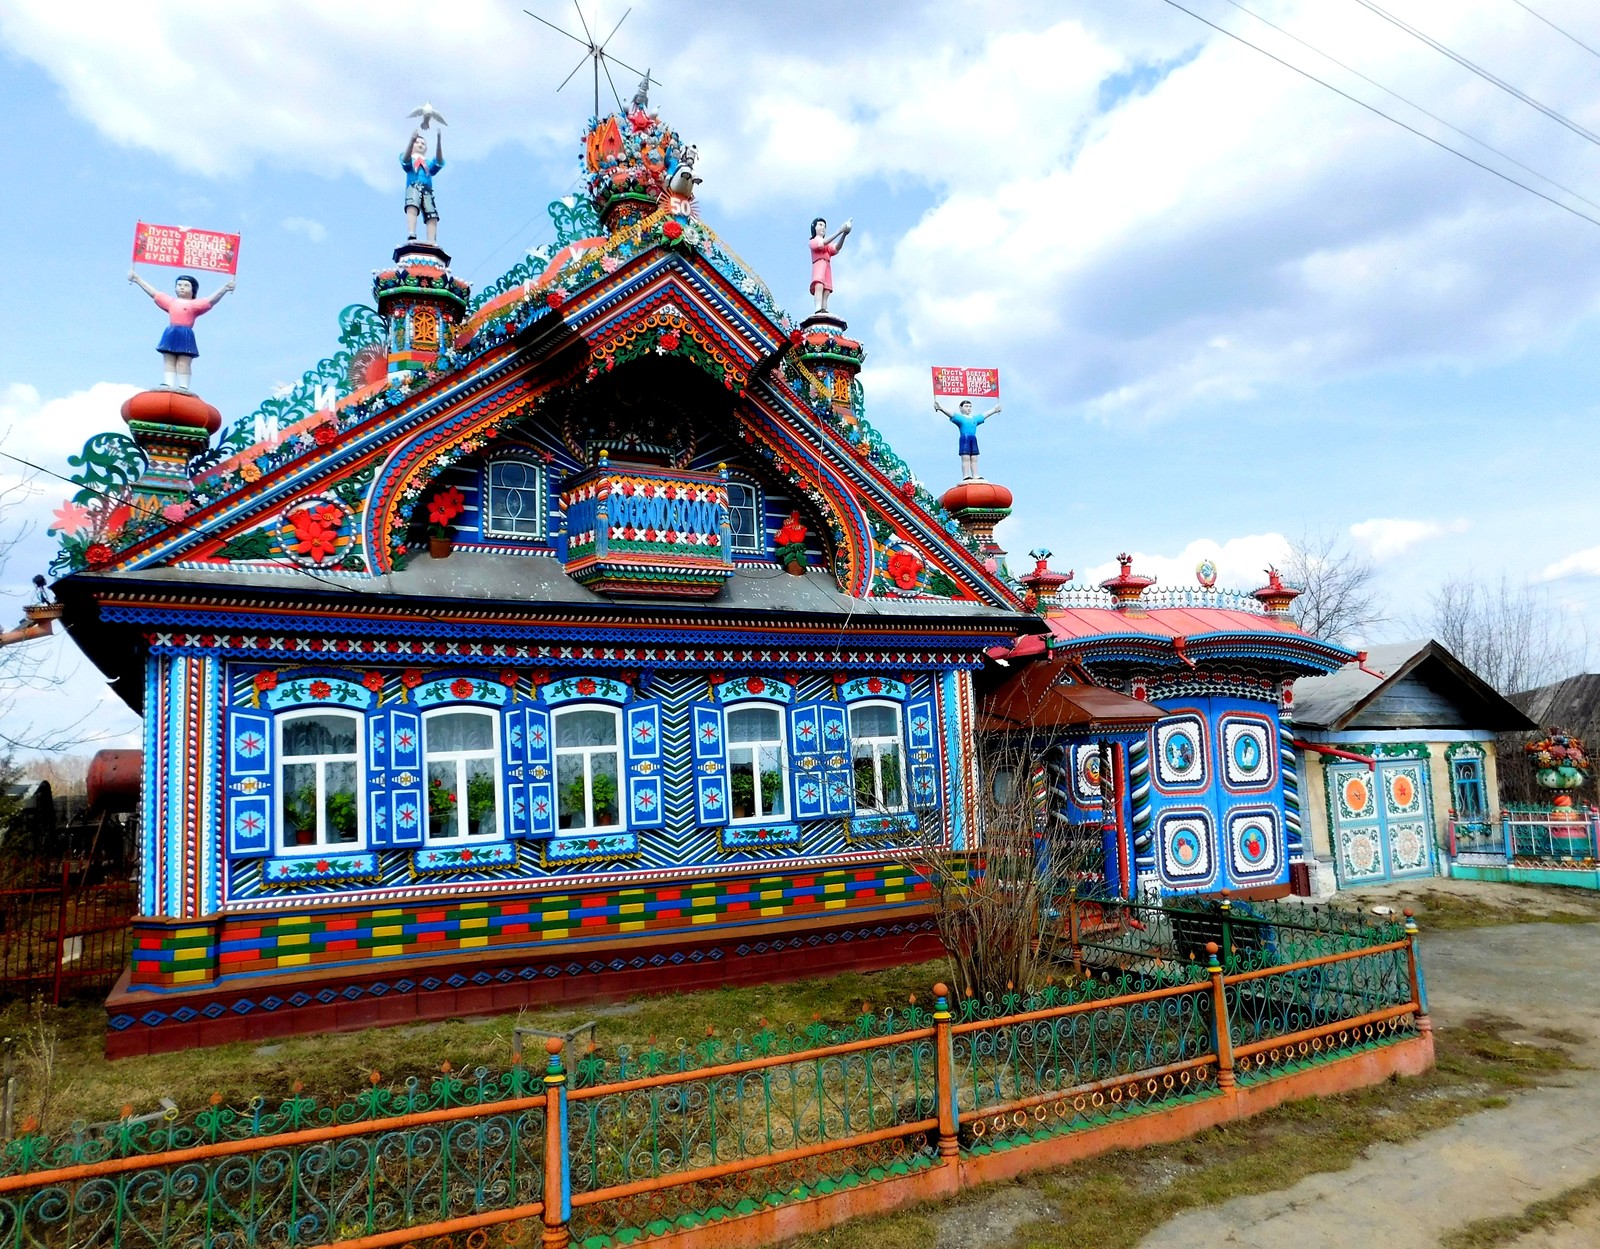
<point x="177" y="346"/>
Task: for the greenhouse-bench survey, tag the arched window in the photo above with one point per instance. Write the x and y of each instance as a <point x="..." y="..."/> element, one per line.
<point x="588" y="762"/>
<point x="460" y="749"/>
<point x="746" y="518"/>
<point x="514" y="494"/>
<point x="319" y="753"/>
<point x="877" y="753"/>
<point x="755" y="763"/>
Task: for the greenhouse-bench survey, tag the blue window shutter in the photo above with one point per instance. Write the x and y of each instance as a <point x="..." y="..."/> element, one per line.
<point x="838" y="777"/>
<point x="642" y="722"/>
<point x="806" y="760"/>
<point x="514" y="772"/>
<point x="922" y="735"/>
<point x="540" y="790"/>
<point x="379" y="815"/>
<point x="251" y="814"/>
<point x="408" y="813"/>
<point x="710" y="754"/>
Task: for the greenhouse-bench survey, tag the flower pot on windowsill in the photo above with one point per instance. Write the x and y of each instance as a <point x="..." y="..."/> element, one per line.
<point x="305" y="836"/>
<point x="440" y="548"/>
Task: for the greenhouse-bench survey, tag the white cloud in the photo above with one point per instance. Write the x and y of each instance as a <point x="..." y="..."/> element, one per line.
<point x="313" y="230"/>
<point x="1585" y="563"/>
<point x="46" y="431"/>
<point x="1241" y="562"/>
<point x="1387" y="537"/>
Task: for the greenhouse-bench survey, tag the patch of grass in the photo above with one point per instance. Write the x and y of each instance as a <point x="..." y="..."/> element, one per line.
<point x="1441" y="910"/>
<point x="332" y="1066"/>
<point x="1492" y="1233"/>
<point x="1116" y="1200"/>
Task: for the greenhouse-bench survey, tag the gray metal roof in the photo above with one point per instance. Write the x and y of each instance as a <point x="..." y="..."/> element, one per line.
<point x="467" y="576"/>
<point x="1335" y="700"/>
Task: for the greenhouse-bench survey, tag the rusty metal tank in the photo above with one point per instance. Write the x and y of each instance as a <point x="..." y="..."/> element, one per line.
<point x="114" y="780"/>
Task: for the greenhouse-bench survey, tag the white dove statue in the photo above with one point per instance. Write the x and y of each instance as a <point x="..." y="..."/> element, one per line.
<point x="428" y="113"/>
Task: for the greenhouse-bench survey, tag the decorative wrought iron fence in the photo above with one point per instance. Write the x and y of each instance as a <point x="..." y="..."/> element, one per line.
<point x="1545" y="834"/>
<point x="654" y="1140"/>
<point x="63" y="927"/>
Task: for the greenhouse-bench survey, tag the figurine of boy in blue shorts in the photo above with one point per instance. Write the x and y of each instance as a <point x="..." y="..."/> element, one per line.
<point x="419" y="183"/>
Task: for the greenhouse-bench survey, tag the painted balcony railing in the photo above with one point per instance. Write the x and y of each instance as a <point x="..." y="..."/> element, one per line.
<point x="657" y="1140"/>
<point x="1543" y="834"/>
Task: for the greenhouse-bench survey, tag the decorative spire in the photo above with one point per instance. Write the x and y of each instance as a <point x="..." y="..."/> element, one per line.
<point x="1044" y="583"/>
<point x="1275" y="597"/>
<point x="1127" y="585"/>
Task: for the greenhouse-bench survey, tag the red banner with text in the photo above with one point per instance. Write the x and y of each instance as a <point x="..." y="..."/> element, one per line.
<point x="966" y="383"/>
<point x="183" y="248"/>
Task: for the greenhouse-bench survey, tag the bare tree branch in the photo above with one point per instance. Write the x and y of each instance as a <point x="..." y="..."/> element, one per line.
<point x="1512" y="635"/>
<point x="1338" y="599"/>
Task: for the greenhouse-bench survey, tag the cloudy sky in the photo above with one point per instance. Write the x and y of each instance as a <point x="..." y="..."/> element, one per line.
<point x="1228" y="305"/>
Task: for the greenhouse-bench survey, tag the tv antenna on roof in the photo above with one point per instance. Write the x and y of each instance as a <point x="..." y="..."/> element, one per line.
<point x="596" y="53"/>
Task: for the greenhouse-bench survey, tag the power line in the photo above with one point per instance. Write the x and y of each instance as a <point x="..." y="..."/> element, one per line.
<point x="180" y="525"/>
<point x="1556" y="28"/>
<point x="1412" y="103"/>
<point x="1372" y="108"/>
<point x="1477" y="69"/>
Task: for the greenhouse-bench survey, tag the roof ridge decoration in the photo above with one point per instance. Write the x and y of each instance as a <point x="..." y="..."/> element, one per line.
<point x="335" y="431"/>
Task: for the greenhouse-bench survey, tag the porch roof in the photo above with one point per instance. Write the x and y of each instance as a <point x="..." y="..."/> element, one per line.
<point x="1045" y="696"/>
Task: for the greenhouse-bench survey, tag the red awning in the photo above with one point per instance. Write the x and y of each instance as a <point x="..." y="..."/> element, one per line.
<point x="1037" y="697"/>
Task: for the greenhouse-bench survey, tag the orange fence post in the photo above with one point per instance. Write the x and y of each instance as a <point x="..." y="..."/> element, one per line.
<point x="1219" y="1005"/>
<point x="557" y="1174"/>
<point x="945" y="1075"/>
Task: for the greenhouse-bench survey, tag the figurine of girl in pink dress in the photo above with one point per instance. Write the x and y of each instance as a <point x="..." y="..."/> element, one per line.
<point x="177" y="346"/>
<point x="823" y="250"/>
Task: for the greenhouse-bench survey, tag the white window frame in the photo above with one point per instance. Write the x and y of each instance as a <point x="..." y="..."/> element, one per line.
<point x="757" y="545"/>
<point x="283" y="761"/>
<point x="781" y="742"/>
<point x="461" y="759"/>
<point x="898" y="741"/>
<point x="588" y="753"/>
<point x="490" y="529"/>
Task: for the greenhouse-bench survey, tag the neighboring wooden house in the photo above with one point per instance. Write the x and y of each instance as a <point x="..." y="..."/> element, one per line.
<point x="1394" y="743"/>
<point x="1571" y="705"/>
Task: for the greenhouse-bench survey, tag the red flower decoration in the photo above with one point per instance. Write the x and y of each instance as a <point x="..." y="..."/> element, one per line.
<point x="322" y="865"/>
<point x="266" y="681"/>
<point x="321" y="690"/>
<point x="540" y="677"/>
<point x="586" y="685"/>
<point x="905" y="568"/>
<point x="98" y="555"/>
<point x="411" y="678"/>
<point x="670" y="340"/>
<point x="373" y="681"/>
<point x="874" y="685"/>
<point x="508" y="677"/>
<point x="325" y="433"/>
<point x="316" y="530"/>
<point x="461" y="688"/>
<point x="445" y="506"/>
<point x="673" y="230"/>
<point x="466" y="856"/>
<point x="556" y="298"/>
<point x="796" y="338"/>
<point x="593" y="844"/>
<point x="755" y="685"/>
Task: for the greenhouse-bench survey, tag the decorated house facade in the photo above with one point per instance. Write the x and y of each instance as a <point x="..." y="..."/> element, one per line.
<point x="1203" y="793"/>
<point x="570" y="638"/>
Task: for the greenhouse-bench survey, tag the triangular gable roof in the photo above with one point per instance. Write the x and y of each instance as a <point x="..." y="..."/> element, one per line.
<point x="387" y="443"/>
<point x="1335" y="702"/>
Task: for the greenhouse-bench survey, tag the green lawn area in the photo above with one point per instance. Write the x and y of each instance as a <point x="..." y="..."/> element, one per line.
<point x="80" y="1084"/>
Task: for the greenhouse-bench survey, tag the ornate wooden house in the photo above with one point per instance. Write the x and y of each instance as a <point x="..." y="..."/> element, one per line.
<point x="1204" y="794"/>
<point x="541" y="645"/>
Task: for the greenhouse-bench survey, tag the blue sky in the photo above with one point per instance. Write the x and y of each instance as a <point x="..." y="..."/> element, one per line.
<point x="1228" y="306"/>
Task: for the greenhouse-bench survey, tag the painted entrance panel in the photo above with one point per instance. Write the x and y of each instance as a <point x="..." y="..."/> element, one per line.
<point x="1381" y="820"/>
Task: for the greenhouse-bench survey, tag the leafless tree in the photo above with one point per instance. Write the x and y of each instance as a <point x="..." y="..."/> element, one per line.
<point x="1338" y="599"/>
<point x="1509" y="633"/>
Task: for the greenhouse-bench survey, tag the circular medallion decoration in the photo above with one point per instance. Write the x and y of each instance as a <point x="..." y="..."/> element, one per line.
<point x="1246" y="752"/>
<point x="316" y="531"/>
<point x="1407" y="848"/>
<point x="1180" y="752"/>
<point x="1185" y="848"/>
<point x="1091" y="769"/>
<point x="1356" y="796"/>
<point x="1205" y="573"/>
<point x="1362" y="852"/>
<point x="1402" y="792"/>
